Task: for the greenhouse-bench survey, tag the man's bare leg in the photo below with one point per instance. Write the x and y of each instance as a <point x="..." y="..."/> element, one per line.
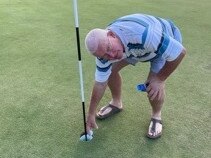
<point x="155" y="127"/>
<point x="115" y="86"/>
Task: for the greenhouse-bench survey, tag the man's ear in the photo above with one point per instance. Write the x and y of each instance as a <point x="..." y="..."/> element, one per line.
<point x="110" y="33"/>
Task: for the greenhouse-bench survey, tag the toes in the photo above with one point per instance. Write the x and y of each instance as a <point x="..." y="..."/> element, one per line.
<point x="155" y="129"/>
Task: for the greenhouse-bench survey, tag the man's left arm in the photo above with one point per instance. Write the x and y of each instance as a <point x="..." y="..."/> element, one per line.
<point x="170" y="66"/>
<point x="157" y="80"/>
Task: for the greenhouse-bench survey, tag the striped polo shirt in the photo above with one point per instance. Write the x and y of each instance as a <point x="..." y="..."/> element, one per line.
<point x="145" y="38"/>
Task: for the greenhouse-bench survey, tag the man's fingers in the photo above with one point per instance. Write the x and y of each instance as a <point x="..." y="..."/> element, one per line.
<point x="154" y="95"/>
<point x="159" y="95"/>
<point x="150" y="92"/>
<point x="94" y="125"/>
<point x="88" y="128"/>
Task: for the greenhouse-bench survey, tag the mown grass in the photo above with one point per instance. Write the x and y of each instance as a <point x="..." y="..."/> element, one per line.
<point x="40" y="104"/>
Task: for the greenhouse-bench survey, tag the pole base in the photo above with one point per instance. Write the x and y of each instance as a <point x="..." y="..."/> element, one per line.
<point x="88" y="136"/>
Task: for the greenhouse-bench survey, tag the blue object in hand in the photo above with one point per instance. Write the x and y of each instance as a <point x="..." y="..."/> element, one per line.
<point x="142" y="87"/>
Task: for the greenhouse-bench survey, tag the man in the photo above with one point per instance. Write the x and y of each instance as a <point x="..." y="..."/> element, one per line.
<point x="128" y="40"/>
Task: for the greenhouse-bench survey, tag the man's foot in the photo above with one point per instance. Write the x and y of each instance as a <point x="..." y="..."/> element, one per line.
<point x="155" y="129"/>
<point x="107" y="111"/>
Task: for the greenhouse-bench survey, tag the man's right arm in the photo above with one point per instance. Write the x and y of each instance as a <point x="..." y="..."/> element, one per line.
<point x="102" y="73"/>
<point x="97" y="94"/>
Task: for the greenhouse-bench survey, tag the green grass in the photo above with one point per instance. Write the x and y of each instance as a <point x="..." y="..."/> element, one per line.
<point x="40" y="104"/>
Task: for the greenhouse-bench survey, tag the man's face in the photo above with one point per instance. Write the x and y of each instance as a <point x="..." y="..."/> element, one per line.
<point x="111" y="48"/>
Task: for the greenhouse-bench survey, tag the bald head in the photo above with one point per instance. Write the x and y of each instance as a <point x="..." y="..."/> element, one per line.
<point x="94" y="38"/>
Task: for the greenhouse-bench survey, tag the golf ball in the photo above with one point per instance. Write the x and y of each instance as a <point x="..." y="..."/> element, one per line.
<point x="89" y="136"/>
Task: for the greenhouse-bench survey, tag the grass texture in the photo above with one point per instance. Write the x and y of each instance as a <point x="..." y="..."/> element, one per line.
<point x="40" y="102"/>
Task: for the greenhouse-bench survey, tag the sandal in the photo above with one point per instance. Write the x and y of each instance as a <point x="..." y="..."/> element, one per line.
<point x="153" y="129"/>
<point x="109" y="110"/>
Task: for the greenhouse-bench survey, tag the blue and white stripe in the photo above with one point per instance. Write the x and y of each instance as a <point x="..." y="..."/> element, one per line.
<point x="145" y="38"/>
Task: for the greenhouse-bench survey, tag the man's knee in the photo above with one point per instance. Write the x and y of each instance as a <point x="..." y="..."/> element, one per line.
<point x="159" y="98"/>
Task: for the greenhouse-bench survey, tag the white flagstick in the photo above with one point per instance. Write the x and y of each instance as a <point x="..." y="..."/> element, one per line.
<point x="79" y="63"/>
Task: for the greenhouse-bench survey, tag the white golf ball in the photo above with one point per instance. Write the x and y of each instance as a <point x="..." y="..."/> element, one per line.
<point x="89" y="136"/>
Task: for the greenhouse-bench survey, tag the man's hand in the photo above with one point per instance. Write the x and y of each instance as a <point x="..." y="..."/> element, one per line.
<point x="91" y="123"/>
<point x="97" y="94"/>
<point x="156" y="88"/>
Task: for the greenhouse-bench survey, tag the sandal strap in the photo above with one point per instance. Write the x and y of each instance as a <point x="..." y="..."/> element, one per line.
<point x="154" y="121"/>
<point x="108" y="106"/>
<point x="113" y="111"/>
